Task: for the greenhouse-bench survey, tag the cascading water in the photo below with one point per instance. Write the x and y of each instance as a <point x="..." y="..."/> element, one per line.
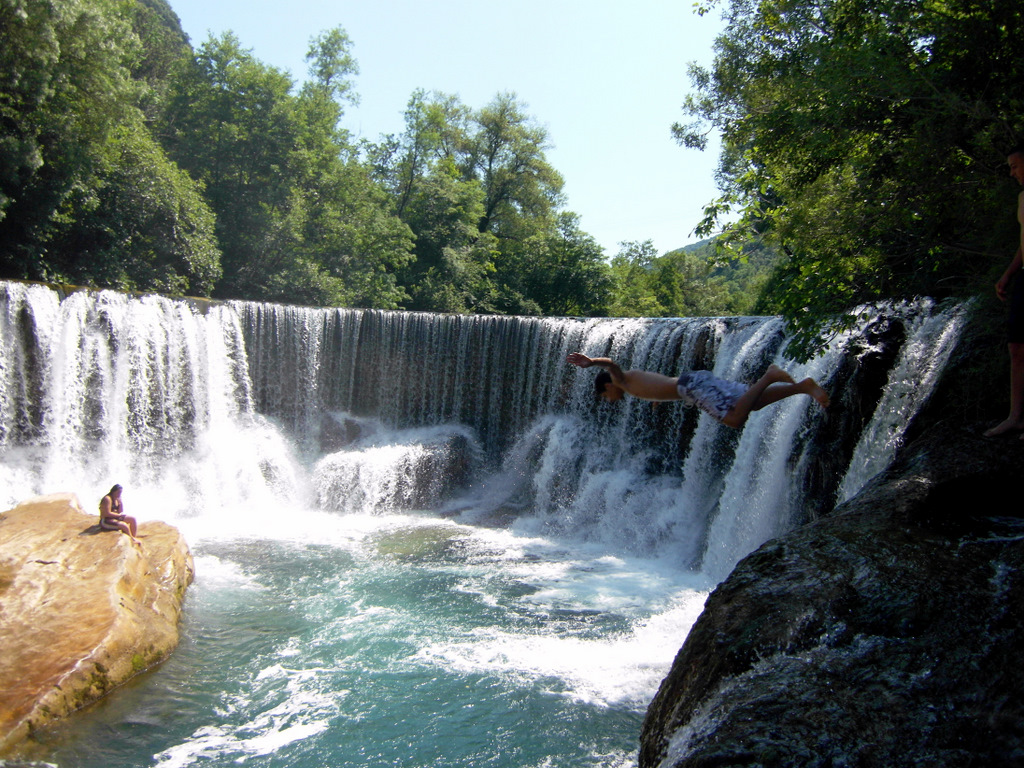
<point x="911" y="381"/>
<point x="419" y="538"/>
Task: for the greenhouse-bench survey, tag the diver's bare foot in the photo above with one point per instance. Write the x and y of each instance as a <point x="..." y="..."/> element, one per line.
<point x="778" y="375"/>
<point x="1007" y="425"/>
<point x="812" y="388"/>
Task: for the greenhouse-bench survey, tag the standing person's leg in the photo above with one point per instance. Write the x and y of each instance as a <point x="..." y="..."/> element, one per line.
<point x="775" y="385"/>
<point x="1015" y="420"/>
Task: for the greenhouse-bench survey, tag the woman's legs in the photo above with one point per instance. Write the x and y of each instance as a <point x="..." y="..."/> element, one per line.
<point x="126" y="525"/>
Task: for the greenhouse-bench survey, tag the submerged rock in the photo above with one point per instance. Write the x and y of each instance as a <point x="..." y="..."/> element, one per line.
<point x="886" y="634"/>
<point x="81" y="610"/>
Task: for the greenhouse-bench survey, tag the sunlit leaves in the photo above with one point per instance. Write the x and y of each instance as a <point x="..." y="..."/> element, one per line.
<point x="332" y="65"/>
<point x="862" y="137"/>
<point x="483" y="203"/>
<point x="85" y="192"/>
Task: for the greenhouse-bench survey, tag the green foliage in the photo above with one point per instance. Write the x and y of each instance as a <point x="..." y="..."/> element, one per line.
<point x="86" y="195"/>
<point x="481" y="199"/>
<point x="633" y="295"/>
<point x="297" y="221"/>
<point x="689" y="282"/>
<point x="353" y="234"/>
<point x="864" y="139"/>
<point x="163" y="46"/>
<point x="742" y="271"/>
<point x="563" y="271"/>
<point x="139" y="224"/>
<point x="454" y="261"/>
<point x="231" y="126"/>
<point x="332" y="66"/>
<point x="684" y="285"/>
<point x="63" y="87"/>
<point x="130" y="160"/>
<point x="506" y="155"/>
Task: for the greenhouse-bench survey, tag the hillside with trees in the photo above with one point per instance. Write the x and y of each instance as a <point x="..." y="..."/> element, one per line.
<point x="866" y="141"/>
<point x="132" y="160"/>
<point x="863" y="147"/>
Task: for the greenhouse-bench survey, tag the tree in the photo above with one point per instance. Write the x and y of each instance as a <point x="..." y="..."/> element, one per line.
<point x="631" y="268"/>
<point x="64" y="85"/>
<point x="678" y="284"/>
<point x="436" y="133"/>
<point x="350" y="229"/>
<point x="862" y="138"/>
<point x="685" y="286"/>
<point x="352" y="233"/>
<point x="140" y="223"/>
<point x="506" y="155"/>
<point x="299" y="219"/>
<point x="231" y="125"/>
<point x="332" y="66"/>
<point x="454" y="261"/>
<point x="743" y="276"/>
<point x="481" y="199"/>
<point x="86" y="194"/>
<point x="565" y="272"/>
<point x="163" y="46"/>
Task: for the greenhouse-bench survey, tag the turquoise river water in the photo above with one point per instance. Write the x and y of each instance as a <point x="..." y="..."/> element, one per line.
<point x="418" y="540"/>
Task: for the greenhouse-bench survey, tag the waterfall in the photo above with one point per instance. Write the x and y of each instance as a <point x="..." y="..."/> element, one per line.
<point x="922" y="359"/>
<point x="421" y="539"/>
<point x="258" y="406"/>
<point x="102" y="386"/>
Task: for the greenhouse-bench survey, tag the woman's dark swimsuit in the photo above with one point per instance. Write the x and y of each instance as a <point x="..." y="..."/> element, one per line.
<point x="110" y="522"/>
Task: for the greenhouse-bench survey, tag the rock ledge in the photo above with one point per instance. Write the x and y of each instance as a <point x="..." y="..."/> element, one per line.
<point x="81" y="611"/>
<point x="887" y="634"/>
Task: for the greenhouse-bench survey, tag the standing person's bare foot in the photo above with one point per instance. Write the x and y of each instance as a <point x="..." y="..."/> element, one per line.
<point x="1007" y="425"/>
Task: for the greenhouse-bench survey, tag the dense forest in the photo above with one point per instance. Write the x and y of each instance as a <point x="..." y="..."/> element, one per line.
<point x="863" y="148"/>
<point x="866" y="141"/>
<point x="132" y="159"/>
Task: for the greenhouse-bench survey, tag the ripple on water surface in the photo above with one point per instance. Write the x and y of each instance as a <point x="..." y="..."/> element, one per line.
<point x="400" y="640"/>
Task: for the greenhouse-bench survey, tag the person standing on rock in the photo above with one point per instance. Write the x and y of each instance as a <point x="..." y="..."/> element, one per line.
<point x="1014" y="422"/>
<point x="728" y="402"/>
<point x="112" y="516"/>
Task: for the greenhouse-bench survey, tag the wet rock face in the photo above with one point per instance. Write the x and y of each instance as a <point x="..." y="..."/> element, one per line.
<point x="81" y="611"/>
<point x="890" y="633"/>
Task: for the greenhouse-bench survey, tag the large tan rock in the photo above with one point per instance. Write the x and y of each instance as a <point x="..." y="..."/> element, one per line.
<point x="81" y="610"/>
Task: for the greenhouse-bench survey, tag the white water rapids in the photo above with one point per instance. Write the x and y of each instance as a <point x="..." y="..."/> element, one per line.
<point x="419" y="539"/>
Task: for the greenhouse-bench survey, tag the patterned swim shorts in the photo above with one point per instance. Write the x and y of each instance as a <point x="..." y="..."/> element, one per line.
<point x="711" y="394"/>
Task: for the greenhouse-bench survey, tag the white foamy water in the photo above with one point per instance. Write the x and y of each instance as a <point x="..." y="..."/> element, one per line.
<point x="911" y="382"/>
<point x="418" y="626"/>
<point x="418" y="539"/>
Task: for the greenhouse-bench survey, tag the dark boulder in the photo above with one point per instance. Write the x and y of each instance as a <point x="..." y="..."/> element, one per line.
<point x="888" y="633"/>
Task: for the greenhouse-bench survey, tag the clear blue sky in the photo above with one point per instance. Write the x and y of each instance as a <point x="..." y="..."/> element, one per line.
<point x="606" y="78"/>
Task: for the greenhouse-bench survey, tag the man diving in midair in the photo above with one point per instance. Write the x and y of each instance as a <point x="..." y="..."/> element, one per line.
<point x="726" y="401"/>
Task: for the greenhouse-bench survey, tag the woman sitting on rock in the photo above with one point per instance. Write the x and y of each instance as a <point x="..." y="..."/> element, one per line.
<point x="112" y="516"/>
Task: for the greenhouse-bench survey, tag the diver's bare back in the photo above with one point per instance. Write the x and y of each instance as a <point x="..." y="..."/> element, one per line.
<point x="650" y="386"/>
